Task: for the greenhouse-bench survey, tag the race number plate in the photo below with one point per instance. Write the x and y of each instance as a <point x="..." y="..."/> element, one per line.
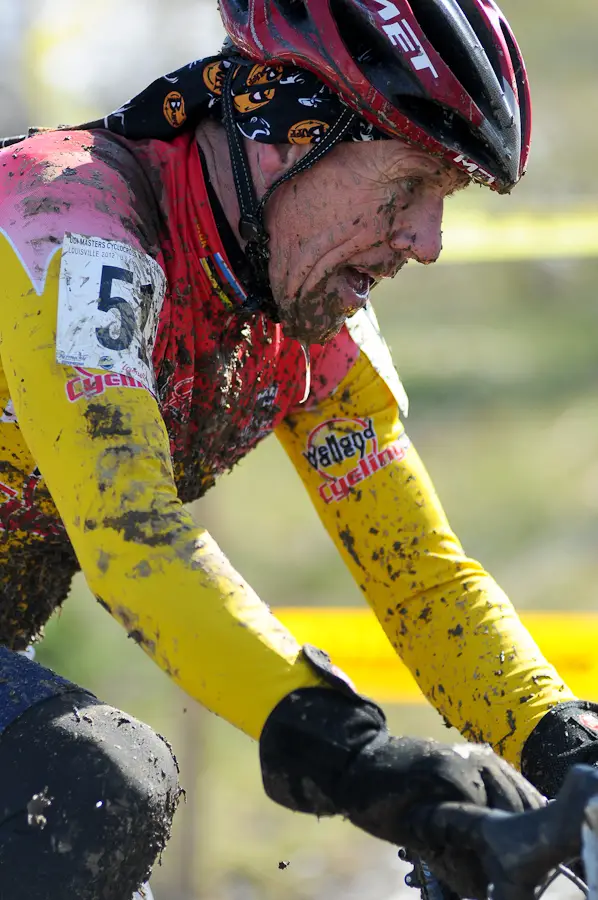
<point x="109" y="301"/>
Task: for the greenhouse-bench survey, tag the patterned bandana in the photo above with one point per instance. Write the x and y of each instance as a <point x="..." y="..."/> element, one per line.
<point x="273" y="104"/>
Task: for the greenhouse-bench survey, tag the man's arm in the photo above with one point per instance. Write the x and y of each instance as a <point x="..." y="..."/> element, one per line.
<point x="445" y="616"/>
<point x="106" y="461"/>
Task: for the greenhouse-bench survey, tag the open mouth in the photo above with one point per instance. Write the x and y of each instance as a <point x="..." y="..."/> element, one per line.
<point x="360" y="282"/>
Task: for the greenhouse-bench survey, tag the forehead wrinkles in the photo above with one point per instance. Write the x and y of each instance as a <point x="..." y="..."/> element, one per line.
<point x="409" y="160"/>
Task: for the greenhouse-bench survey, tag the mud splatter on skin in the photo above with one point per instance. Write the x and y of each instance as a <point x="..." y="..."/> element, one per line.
<point x="105" y="420"/>
<point x="319" y="315"/>
<point x="313" y="292"/>
<point x="387" y="209"/>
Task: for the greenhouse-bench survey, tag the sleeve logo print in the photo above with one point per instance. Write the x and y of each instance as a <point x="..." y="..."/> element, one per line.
<point x="85" y="385"/>
<point x="345" y="452"/>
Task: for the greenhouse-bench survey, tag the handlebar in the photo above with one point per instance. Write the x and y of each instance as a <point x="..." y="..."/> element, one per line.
<point x="517" y="851"/>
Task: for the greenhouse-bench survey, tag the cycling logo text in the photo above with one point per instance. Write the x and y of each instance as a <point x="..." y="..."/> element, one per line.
<point x="345" y="452"/>
<point x="86" y="384"/>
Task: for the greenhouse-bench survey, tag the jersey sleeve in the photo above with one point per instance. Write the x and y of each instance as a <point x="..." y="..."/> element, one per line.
<point x="106" y="461"/>
<point x="444" y="615"/>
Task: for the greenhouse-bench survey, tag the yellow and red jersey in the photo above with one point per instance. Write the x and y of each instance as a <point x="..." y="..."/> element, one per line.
<point x="130" y="380"/>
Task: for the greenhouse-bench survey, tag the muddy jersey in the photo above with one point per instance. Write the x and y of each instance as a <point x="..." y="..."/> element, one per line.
<point x="130" y="380"/>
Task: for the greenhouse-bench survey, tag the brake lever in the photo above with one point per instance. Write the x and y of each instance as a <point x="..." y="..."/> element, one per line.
<point x="515" y="850"/>
<point x="530" y="844"/>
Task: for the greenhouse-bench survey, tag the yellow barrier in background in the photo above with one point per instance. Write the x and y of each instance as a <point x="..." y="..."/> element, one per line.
<point x="357" y="644"/>
<point x="481" y="237"/>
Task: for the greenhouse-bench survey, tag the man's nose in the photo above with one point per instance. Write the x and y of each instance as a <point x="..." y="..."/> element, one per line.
<point x="417" y="234"/>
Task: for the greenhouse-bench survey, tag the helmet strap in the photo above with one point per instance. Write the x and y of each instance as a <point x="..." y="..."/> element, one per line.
<point x="259" y="293"/>
<point x="251" y="223"/>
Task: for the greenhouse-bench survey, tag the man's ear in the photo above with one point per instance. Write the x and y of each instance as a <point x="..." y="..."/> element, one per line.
<point x="269" y="162"/>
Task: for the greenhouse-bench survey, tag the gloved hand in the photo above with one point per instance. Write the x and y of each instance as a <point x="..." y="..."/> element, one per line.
<point x="566" y="735"/>
<point x="328" y="752"/>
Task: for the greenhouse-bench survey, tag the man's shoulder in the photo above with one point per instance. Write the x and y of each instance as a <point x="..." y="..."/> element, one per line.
<point x="59" y="182"/>
<point x="63" y="158"/>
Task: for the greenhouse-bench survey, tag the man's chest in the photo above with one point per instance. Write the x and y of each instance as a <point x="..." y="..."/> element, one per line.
<point x="223" y="386"/>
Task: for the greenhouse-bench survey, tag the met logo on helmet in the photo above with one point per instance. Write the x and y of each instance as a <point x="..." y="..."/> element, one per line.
<point x="473" y="169"/>
<point x="402" y="35"/>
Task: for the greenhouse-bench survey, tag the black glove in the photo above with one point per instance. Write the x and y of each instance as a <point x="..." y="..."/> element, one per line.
<point x="566" y="735"/>
<point x="329" y="752"/>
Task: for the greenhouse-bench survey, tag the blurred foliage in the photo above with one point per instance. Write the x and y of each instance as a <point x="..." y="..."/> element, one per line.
<point x="501" y="366"/>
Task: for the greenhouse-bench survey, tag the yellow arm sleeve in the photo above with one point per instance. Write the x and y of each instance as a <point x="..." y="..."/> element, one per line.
<point x="107" y="464"/>
<point x="445" y="616"/>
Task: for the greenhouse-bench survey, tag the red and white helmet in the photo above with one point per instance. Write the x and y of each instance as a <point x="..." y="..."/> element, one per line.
<point x="447" y="75"/>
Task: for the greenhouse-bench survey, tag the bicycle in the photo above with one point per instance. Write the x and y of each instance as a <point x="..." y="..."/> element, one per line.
<point x="521" y="853"/>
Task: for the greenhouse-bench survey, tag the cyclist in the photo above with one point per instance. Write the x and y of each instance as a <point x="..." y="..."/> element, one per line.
<point x="181" y="279"/>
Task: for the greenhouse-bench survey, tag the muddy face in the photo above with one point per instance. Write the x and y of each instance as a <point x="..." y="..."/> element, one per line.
<point x="357" y="216"/>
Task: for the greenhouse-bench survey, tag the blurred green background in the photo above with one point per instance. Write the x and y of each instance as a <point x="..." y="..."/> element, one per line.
<point x="501" y="367"/>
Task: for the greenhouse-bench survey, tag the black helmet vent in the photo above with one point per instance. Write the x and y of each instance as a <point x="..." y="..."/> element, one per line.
<point x="477" y="22"/>
<point x="294" y="11"/>
<point x="390" y="73"/>
<point x="456" y="41"/>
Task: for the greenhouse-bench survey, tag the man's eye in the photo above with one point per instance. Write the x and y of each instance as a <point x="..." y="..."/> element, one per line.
<point x="410" y="184"/>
